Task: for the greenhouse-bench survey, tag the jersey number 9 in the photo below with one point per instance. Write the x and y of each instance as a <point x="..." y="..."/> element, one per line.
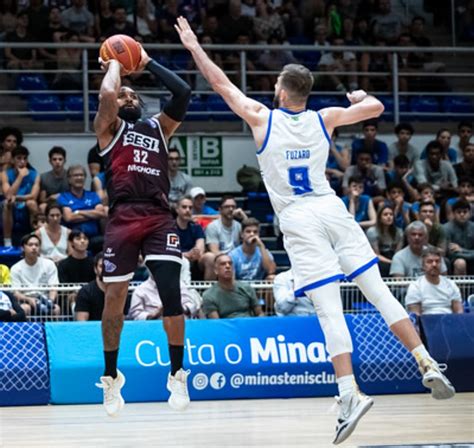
<point x="298" y="177"/>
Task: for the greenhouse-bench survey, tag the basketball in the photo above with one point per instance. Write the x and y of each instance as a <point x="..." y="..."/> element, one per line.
<point x="124" y="49"/>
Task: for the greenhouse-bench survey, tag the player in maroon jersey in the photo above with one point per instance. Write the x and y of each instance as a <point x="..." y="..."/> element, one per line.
<point x="136" y="163"/>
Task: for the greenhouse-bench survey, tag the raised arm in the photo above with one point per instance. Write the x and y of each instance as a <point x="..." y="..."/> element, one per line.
<point x="106" y="121"/>
<point x="253" y="112"/>
<point x="363" y="107"/>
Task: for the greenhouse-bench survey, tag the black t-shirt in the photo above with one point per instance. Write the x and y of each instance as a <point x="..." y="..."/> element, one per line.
<point x="188" y="236"/>
<point x="74" y="270"/>
<point x="93" y="157"/>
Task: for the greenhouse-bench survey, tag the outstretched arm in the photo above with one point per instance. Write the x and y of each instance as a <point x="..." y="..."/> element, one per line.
<point x="253" y="112"/>
<point x="106" y="121"/>
<point x="363" y="107"/>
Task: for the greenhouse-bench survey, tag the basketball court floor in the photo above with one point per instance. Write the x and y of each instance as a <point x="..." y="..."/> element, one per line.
<point x="394" y="421"/>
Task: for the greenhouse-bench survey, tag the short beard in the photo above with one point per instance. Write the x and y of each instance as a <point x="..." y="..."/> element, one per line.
<point x="276" y="102"/>
<point x="131" y="114"/>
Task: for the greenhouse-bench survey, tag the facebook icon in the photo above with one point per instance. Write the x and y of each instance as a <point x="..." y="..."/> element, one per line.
<point x="217" y="380"/>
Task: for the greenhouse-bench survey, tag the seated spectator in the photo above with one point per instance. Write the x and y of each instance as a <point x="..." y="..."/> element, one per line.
<point x="4" y="275"/>
<point x="34" y="271"/>
<point x="10" y="138"/>
<point x="402" y="175"/>
<point x="38" y="221"/>
<point x="80" y="20"/>
<point x="120" y="24"/>
<point x="436" y="235"/>
<point x="385" y="238"/>
<point x="369" y="143"/>
<point x="91" y="297"/>
<point x="198" y="195"/>
<point x="373" y="175"/>
<point x="387" y="24"/>
<point x="466" y="167"/>
<point x="54" y="236"/>
<point x="53" y="182"/>
<point x="439" y="173"/>
<point x="99" y="187"/>
<point x="95" y="162"/>
<point x="443" y="136"/>
<point x="229" y="298"/>
<point x="78" y="267"/>
<point x="465" y="192"/>
<point x="252" y="260"/>
<point x="407" y="262"/>
<point x="180" y="183"/>
<point x="21" y="58"/>
<point x="360" y="205"/>
<point x="144" y="17"/>
<point x="52" y="33"/>
<point x="10" y="309"/>
<point x="396" y="199"/>
<point x="68" y="59"/>
<point x="147" y="305"/>
<point x="82" y="209"/>
<point x="404" y="133"/>
<point x="460" y="238"/>
<point x="427" y="194"/>
<point x="340" y="62"/>
<point x="223" y="234"/>
<point x="191" y="237"/>
<point x="433" y="293"/>
<point x="286" y="304"/>
<point x="21" y="188"/>
<point x="233" y="23"/>
<point x="464" y="134"/>
<point x="338" y="161"/>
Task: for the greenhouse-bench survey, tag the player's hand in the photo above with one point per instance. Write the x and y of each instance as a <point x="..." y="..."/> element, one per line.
<point x="186" y="34"/>
<point x="356" y="96"/>
<point x="105" y="65"/>
<point x="144" y="60"/>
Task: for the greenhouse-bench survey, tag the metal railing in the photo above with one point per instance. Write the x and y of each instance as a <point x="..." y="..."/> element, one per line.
<point x="90" y="52"/>
<point x="353" y="300"/>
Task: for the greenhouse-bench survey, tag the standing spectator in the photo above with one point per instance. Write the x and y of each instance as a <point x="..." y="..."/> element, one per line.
<point x="359" y="205"/>
<point x="20" y="58"/>
<point x="377" y="148"/>
<point x="53" y="182"/>
<point x="21" y="188"/>
<point x="82" y="209"/>
<point x="436" y="235"/>
<point x="10" y="138"/>
<point x="387" y="24"/>
<point x="54" y="236"/>
<point x="103" y="17"/>
<point x="145" y="20"/>
<point x="198" y="196"/>
<point x="373" y="175"/>
<point x="404" y="133"/>
<point x="437" y="172"/>
<point x="37" y="18"/>
<point x="433" y="293"/>
<point x="407" y="262"/>
<point x="191" y="237"/>
<point x="180" y="182"/>
<point x="79" y="19"/>
<point x="466" y="167"/>
<point x="267" y="23"/>
<point x="234" y="23"/>
<point x="402" y="175"/>
<point x="286" y="304"/>
<point x="10" y="309"/>
<point x="223" y="234"/>
<point x="460" y="239"/>
<point x="252" y="260"/>
<point x="385" y="238"/>
<point x="229" y="298"/>
<point x="33" y="271"/>
<point x="120" y="25"/>
<point x="464" y="134"/>
<point x="78" y="267"/>
<point x="401" y="209"/>
<point x="147" y="305"/>
<point x="52" y="33"/>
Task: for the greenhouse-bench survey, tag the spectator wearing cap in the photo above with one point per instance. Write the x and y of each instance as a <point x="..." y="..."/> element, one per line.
<point x="433" y="293"/>
<point x="200" y="207"/>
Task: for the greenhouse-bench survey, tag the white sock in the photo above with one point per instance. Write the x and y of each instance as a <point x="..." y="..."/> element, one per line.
<point x="347" y="385"/>
<point x="420" y="353"/>
<point x="7" y="242"/>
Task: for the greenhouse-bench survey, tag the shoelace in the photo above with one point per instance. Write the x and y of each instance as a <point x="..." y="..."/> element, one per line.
<point x="110" y="392"/>
<point x="183" y="385"/>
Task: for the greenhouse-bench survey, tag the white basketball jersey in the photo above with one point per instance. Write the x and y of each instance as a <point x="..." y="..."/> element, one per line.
<point x="293" y="157"/>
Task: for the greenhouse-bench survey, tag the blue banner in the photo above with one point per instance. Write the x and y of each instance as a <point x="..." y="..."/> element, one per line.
<point x="24" y="378"/>
<point x="233" y="358"/>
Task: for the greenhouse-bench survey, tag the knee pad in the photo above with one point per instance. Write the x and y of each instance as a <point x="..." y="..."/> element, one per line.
<point x="167" y="274"/>
<point x="328" y="305"/>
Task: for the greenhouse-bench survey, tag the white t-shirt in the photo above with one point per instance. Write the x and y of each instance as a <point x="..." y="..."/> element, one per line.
<point x="434" y="299"/>
<point x="407" y="264"/>
<point x="43" y="272"/>
<point x="227" y="237"/>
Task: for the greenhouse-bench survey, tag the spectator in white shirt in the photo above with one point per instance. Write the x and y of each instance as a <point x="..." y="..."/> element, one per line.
<point x="286" y="304"/>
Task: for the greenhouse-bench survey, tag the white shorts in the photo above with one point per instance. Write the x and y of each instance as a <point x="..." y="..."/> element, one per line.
<point x="324" y="242"/>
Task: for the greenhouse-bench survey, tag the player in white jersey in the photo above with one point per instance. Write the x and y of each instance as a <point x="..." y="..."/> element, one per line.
<point x="322" y="239"/>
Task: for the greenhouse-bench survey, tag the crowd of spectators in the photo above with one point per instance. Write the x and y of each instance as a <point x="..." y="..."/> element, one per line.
<point x="308" y="22"/>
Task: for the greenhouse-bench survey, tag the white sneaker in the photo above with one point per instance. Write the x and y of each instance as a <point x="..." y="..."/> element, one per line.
<point x="178" y="386"/>
<point x="113" y="401"/>
<point x="352" y="409"/>
<point x="441" y="388"/>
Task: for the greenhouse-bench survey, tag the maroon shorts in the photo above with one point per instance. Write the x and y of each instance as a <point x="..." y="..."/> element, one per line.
<point x="134" y="228"/>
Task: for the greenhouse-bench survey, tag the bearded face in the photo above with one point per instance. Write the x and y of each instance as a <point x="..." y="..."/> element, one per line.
<point x="130" y="113"/>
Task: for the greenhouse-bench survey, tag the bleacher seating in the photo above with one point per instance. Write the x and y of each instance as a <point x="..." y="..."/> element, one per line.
<point x="46" y="103"/>
<point x="75" y="103"/>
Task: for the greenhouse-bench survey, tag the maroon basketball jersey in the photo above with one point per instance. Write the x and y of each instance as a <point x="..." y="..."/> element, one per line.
<point x="136" y="163"/>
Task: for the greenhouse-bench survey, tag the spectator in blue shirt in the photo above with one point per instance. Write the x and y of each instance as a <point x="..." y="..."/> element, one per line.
<point x="403" y="174"/>
<point x="198" y="196"/>
<point x="360" y="205"/>
<point x="370" y="143"/>
<point x="338" y="161"/>
<point x="443" y="136"/>
<point x="252" y="260"/>
<point x="82" y="209"/>
<point x="21" y="187"/>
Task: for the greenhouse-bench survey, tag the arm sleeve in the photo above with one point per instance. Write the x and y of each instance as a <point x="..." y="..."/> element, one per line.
<point x="180" y="90"/>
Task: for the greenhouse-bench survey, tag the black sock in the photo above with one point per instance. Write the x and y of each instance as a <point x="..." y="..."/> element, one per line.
<point x="176" y="357"/>
<point x="111" y="363"/>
